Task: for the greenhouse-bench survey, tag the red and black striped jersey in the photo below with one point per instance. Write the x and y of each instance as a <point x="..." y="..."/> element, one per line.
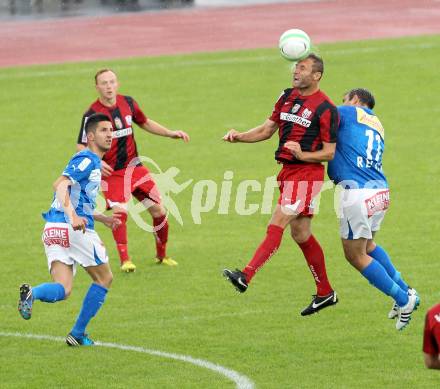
<point x="308" y="120"/>
<point x="122" y="114"/>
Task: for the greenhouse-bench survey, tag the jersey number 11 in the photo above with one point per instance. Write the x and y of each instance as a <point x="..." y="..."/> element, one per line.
<point x="370" y="134"/>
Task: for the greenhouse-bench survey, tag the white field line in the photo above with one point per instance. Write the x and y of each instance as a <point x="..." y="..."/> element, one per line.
<point x="31" y="73"/>
<point x="241" y="381"/>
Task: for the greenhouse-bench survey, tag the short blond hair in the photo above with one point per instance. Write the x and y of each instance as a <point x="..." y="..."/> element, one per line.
<point x="100" y="71"/>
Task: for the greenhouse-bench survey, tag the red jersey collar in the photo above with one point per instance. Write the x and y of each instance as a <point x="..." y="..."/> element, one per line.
<point x="109" y="107"/>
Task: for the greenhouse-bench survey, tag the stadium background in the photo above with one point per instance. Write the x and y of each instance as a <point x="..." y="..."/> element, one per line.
<point x="232" y="80"/>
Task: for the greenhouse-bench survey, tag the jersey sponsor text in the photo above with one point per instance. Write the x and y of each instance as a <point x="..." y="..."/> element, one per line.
<point x="288" y="117"/>
<point x="371" y="121"/>
<point x="121" y="133"/>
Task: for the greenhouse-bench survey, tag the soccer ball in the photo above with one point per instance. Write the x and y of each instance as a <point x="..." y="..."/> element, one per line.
<point x="294" y="45"/>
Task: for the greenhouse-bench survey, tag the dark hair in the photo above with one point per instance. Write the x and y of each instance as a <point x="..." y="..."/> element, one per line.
<point x="100" y="71"/>
<point x="364" y="95"/>
<point x="318" y="63"/>
<point x="93" y="120"/>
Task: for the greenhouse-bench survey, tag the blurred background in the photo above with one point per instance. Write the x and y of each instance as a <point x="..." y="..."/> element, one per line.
<point x="40" y="9"/>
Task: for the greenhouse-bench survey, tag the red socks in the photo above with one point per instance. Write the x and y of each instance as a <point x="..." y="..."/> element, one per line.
<point x="161" y="234"/>
<point x="315" y="259"/>
<point x="267" y="248"/>
<point x="312" y="252"/>
<point x="120" y="236"/>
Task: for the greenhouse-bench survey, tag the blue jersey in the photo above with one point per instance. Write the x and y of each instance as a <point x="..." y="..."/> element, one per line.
<point x="84" y="170"/>
<point x="359" y="149"/>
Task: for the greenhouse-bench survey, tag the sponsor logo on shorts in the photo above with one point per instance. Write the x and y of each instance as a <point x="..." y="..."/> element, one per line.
<point x="288" y="117"/>
<point x="56" y="236"/>
<point x="437" y="317"/>
<point x="379" y="202"/>
<point x="122" y="133"/>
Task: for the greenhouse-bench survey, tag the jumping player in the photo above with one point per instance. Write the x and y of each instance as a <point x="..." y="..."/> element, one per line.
<point x="431" y="338"/>
<point x="307" y="121"/>
<point x="69" y="237"/>
<point x="122" y="172"/>
<point x="365" y="197"/>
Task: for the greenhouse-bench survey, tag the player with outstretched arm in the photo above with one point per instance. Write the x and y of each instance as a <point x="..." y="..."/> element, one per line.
<point x="122" y="171"/>
<point x="307" y="121"/>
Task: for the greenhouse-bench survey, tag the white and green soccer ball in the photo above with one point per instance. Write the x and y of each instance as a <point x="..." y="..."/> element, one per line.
<point x="294" y="45"/>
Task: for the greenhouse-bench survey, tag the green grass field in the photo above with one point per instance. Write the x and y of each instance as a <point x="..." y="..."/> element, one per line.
<point x="190" y="309"/>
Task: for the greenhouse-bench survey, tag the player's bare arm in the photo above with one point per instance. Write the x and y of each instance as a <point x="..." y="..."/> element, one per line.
<point x="111" y="222"/>
<point x="61" y="187"/>
<point x="432" y="361"/>
<point x="106" y="169"/>
<point x="325" y="154"/>
<point x="157" y="129"/>
<point x="257" y="134"/>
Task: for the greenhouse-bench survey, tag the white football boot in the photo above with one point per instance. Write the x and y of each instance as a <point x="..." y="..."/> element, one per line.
<point x="394" y="310"/>
<point x="404" y="313"/>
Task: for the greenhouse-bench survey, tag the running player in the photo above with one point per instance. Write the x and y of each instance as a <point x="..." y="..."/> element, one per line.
<point x="431" y="338"/>
<point x="307" y="121"/>
<point x="123" y="174"/>
<point x="69" y="237"/>
<point x="365" y="197"/>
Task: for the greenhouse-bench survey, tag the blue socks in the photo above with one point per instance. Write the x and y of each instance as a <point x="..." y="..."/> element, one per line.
<point x="380" y="255"/>
<point x="52" y="292"/>
<point x="92" y="302"/>
<point x="49" y="292"/>
<point x="376" y="274"/>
